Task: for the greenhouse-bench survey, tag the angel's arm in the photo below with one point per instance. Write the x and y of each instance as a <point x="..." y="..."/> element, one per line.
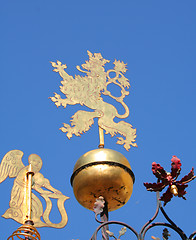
<point x="40" y="181"/>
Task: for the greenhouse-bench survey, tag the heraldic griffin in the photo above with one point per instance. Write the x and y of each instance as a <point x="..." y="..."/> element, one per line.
<point x="88" y="90"/>
<point x="13" y="167"/>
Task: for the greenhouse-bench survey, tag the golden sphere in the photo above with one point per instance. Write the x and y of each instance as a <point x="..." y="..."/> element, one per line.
<point x="102" y="172"/>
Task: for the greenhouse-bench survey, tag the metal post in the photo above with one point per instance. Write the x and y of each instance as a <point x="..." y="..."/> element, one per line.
<point x="101" y="138"/>
<point x="104" y="218"/>
<point x="30" y="174"/>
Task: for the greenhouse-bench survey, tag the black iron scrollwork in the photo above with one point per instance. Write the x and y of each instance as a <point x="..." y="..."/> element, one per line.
<point x="175" y="188"/>
<point x="141" y="235"/>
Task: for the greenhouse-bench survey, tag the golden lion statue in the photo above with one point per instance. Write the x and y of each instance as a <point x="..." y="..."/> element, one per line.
<point x="87" y="90"/>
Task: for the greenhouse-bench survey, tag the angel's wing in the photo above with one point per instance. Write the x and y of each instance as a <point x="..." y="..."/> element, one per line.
<point x="11" y="164"/>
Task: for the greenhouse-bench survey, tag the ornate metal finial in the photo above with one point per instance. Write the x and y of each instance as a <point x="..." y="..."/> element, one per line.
<point x="99" y="206"/>
<point x="176" y="188"/>
<point x="165" y="235"/>
<point x="87" y="90"/>
<point x="25" y="206"/>
<point x="121" y="233"/>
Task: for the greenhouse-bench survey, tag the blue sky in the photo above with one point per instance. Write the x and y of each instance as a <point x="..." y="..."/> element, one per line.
<point x="157" y="41"/>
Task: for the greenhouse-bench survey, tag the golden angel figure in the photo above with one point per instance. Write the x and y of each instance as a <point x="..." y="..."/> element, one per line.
<point x="12" y="166"/>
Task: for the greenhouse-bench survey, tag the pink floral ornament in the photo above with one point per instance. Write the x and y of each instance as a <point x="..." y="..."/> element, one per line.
<point x="176" y="188"/>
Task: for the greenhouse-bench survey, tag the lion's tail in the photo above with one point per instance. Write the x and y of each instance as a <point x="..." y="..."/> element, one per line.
<point x="126" y="114"/>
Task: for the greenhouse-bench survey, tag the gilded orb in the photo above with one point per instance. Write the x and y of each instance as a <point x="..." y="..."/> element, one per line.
<point x="102" y="172"/>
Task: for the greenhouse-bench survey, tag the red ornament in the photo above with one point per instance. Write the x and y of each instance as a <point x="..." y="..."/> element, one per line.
<point x="176" y="188"/>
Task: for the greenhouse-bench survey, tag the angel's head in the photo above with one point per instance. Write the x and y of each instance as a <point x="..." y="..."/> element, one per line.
<point x="35" y="162"/>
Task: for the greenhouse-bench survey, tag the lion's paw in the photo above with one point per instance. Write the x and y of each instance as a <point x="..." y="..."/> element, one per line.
<point x="69" y="135"/>
<point x="57" y="100"/>
<point x="120" y="141"/>
<point x="67" y="129"/>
